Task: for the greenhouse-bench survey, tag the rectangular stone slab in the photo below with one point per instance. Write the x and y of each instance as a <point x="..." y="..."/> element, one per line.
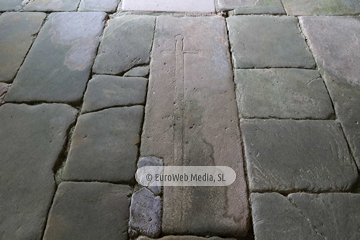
<point x="169" y="5"/>
<point x="191" y="120"/>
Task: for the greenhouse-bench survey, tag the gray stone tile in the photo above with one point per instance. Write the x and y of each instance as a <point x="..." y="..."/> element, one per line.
<point x="10" y="5"/>
<point x="261" y="7"/>
<point x="110" y="91"/>
<point x="335" y="42"/>
<point x="268" y="41"/>
<point x="89" y="211"/>
<point x="52" y="5"/>
<point x="126" y="43"/>
<point x="3" y="90"/>
<point x="59" y="62"/>
<point x="287" y="155"/>
<point x="282" y="93"/>
<point x="16" y="36"/>
<point x="31" y="139"/>
<point x="231" y="4"/>
<point x="191" y="119"/>
<point x="169" y="5"/>
<point x="141" y="71"/>
<point x="321" y="7"/>
<point x="100" y="6"/>
<point x="104" y="146"/>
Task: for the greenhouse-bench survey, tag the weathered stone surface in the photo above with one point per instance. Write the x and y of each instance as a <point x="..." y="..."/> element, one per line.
<point x="151" y="161"/>
<point x="16" y="37"/>
<point x="127" y="43"/>
<point x="101" y="6"/>
<point x="3" y="90"/>
<point x="287" y="155"/>
<point x="31" y="139"/>
<point x="51" y="5"/>
<point x="110" y="91"/>
<point x="322" y="7"/>
<point x="89" y="211"/>
<point x="261" y="7"/>
<point x="191" y="119"/>
<point x="141" y="71"/>
<point x="268" y="41"/>
<point x="10" y="5"/>
<point x="58" y="64"/>
<point x="282" y="93"/>
<point x="169" y="5"/>
<point x="145" y="213"/>
<point x="335" y="42"/>
<point x="105" y="146"/>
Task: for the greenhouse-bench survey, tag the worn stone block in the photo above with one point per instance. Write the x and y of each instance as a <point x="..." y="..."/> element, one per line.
<point x="141" y="71"/>
<point x="261" y="7"/>
<point x="10" y="5"/>
<point x="51" y="5"/>
<point x="169" y="5"/>
<point x="99" y="6"/>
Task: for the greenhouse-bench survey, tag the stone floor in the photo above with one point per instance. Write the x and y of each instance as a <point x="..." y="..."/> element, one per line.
<point x="92" y="90"/>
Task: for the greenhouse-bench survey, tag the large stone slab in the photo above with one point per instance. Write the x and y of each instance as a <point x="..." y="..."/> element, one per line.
<point x="104" y="146"/>
<point x="10" y="5"/>
<point x="126" y="43"/>
<point x="89" y="211"/>
<point x="101" y="6"/>
<point x="191" y="119"/>
<point x="169" y="5"/>
<point x="282" y="93"/>
<point x="110" y="91"/>
<point x="16" y="36"/>
<point x="261" y="7"/>
<point x="31" y="139"/>
<point x="59" y="62"/>
<point x="268" y="41"/>
<point x="287" y="155"/>
<point x="51" y="5"/>
<point x="335" y="42"/>
<point x="322" y="7"/>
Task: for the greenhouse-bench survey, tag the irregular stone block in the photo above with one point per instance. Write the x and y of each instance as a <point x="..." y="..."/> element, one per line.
<point x="191" y="120"/>
<point x="104" y="146"/>
<point x="99" y="6"/>
<point x="31" y="139"/>
<point x="59" y="62"/>
<point x="17" y="31"/>
<point x="282" y="93"/>
<point x="287" y="155"/>
<point x="151" y="161"/>
<point x="10" y="5"/>
<point x="126" y="43"/>
<point x="110" y="91"/>
<point x="142" y="71"/>
<point x="261" y="7"/>
<point x="268" y="41"/>
<point x="89" y="211"/>
<point x="169" y="5"/>
<point x="3" y="90"/>
<point x="52" y="5"/>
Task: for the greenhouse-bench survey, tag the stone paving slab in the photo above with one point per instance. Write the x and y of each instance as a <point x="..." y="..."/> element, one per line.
<point x="105" y="91"/>
<point x="89" y="211"/>
<point x="51" y="5"/>
<point x="268" y="41"/>
<point x="169" y="5"/>
<point x="31" y="139"/>
<point x="142" y="71"/>
<point x="71" y="40"/>
<point x="3" y="90"/>
<point x="126" y="43"/>
<point x="288" y="156"/>
<point x="282" y="93"/>
<point x="16" y="32"/>
<point x="335" y="42"/>
<point x="99" y="6"/>
<point x="231" y="4"/>
<point x="104" y="146"/>
<point x="191" y="119"/>
<point x="322" y="7"/>
<point x="261" y="7"/>
<point x="10" y="5"/>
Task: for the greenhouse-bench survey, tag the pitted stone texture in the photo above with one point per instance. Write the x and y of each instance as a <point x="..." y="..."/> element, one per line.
<point x="282" y="93"/>
<point x="268" y="41"/>
<point x="169" y="5"/>
<point x="90" y="211"/>
<point x="110" y="91"/>
<point x="155" y="162"/>
<point x="101" y="6"/>
<point x="127" y="43"/>
<point x="261" y="7"/>
<point x="287" y="155"/>
<point x="191" y="120"/>
<point x="335" y="42"/>
<point x="16" y="37"/>
<point x="141" y="71"/>
<point x="31" y="139"/>
<point x="10" y="5"/>
<point x="59" y="62"/>
<point x="322" y="7"/>
<point x="145" y="213"/>
<point x="3" y="90"/>
<point x="104" y="146"/>
<point x="52" y="5"/>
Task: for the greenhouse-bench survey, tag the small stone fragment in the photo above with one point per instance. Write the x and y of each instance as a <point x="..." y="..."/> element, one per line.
<point x="141" y="71"/>
<point x="261" y="7"/>
<point x="3" y="90"/>
<point x="151" y="161"/>
<point x="99" y="6"/>
<point x="52" y="5"/>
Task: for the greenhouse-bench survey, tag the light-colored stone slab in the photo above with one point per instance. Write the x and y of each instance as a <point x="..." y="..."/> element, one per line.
<point x="231" y="4"/>
<point x="51" y="5"/>
<point x="10" y="5"/>
<point x="169" y="5"/>
<point x="31" y="139"/>
<point x="104" y="146"/>
<point x="16" y="37"/>
<point x="282" y="93"/>
<point x="99" y="6"/>
<point x="89" y="211"/>
<point x="191" y="119"/>
<point x="142" y="71"/>
<point x="335" y="42"/>
<point x="105" y="91"/>
<point x="322" y="7"/>
<point x="58" y="64"/>
<point x="288" y="155"/>
<point x="126" y="43"/>
<point x="3" y="90"/>
<point x="261" y="7"/>
<point x="268" y="41"/>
